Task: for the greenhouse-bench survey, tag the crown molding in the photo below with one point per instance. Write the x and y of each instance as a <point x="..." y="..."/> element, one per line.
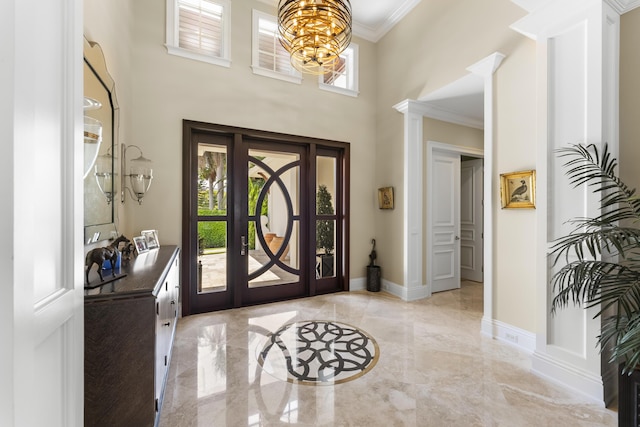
<point x="620" y="6"/>
<point x="623" y="6"/>
<point x="425" y="109"/>
<point x="375" y="34"/>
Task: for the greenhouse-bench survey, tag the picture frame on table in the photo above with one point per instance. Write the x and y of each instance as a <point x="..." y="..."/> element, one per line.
<point x="140" y="242"/>
<point x="151" y="237"/>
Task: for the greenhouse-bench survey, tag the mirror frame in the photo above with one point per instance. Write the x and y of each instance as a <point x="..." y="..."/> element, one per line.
<point x="95" y="60"/>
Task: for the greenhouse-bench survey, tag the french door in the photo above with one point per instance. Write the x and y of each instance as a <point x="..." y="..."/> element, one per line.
<point x="251" y="231"/>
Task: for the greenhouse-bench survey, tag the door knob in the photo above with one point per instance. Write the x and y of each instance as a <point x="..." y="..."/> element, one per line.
<point x="243" y="245"/>
<point x="457" y="238"/>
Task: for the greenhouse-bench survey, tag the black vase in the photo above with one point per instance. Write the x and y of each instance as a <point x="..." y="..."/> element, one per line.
<point x="373" y="278"/>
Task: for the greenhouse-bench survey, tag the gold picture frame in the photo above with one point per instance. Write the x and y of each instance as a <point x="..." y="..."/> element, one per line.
<point x="518" y="190"/>
<point x="385" y="197"/>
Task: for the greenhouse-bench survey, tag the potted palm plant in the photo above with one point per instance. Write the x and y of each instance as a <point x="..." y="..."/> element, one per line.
<point x="325" y="232"/>
<point x="605" y="270"/>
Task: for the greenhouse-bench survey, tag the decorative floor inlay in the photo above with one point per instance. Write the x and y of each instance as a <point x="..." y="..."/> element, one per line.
<point x="317" y="352"/>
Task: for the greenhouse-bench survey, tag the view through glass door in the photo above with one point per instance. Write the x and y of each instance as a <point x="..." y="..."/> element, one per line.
<point x="273" y="243"/>
<point x="254" y="232"/>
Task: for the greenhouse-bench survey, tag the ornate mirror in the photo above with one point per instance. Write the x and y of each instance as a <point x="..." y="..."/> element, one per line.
<point x="100" y="132"/>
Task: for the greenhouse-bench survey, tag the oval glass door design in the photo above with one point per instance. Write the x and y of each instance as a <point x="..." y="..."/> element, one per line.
<point x="273" y="227"/>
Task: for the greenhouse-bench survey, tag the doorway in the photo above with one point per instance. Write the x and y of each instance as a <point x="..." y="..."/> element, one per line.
<point x="454" y="227"/>
<point x="265" y="217"/>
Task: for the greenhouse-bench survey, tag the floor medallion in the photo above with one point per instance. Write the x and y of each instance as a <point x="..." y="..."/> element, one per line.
<point x="316" y="352"/>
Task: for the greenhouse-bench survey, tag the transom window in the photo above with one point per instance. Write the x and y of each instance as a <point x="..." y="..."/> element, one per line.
<point x="342" y="75"/>
<point x="269" y="58"/>
<point x="199" y="29"/>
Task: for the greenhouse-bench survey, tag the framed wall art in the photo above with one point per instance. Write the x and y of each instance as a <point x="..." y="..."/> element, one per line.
<point x="518" y="190"/>
<point x="385" y="197"/>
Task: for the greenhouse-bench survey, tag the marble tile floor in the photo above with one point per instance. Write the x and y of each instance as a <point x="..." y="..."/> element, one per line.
<point x="434" y="369"/>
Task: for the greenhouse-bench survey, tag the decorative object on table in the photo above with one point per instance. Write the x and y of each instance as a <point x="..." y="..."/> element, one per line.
<point x="140" y="175"/>
<point x="128" y="251"/>
<point x="373" y="270"/>
<point x="140" y="243"/>
<point x="314" y="32"/>
<point x="385" y="197"/>
<point x="518" y="190"/>
<point x="602" y="267"/>
<point x="151" y="236"/>
<point x="100" y="255"/>
<point x="325" y="233"/>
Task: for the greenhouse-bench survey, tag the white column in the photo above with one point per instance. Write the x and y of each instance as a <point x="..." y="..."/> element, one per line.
<point x="413" y="196"/>
<point x="485" y="69"/>
<point x="577" y="56"/>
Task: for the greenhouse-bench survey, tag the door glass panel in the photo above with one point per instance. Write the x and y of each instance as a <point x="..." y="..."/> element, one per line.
<point x="326" y="177"/>
<point x="325" y="248"/>
<point x="212" y="214"/>
<point x="273" y="221"/>
<point x="212" y="180"/>
<point x="325" y="214"/>
<point x="212" y="256"/>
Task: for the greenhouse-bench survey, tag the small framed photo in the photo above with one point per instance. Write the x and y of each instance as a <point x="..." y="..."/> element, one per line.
<point x="518" y="190"/>
<point x="385" y="197"/>
<point x="152" y="238"/>
<point x="141" y="244"/>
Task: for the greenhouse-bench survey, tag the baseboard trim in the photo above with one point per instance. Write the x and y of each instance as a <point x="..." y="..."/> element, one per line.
<point x="584" y="383"/>
<point x="394" y="289"/>
<point x="503" y="332"/>
<point x="358" y="284"/>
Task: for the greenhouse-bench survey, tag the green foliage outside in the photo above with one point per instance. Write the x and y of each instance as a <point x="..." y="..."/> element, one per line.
<point x="212" y="234"/>
<point x="324" y="228"/>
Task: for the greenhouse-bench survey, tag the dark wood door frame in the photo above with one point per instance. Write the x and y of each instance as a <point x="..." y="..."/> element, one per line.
<point x="341" y="151"/>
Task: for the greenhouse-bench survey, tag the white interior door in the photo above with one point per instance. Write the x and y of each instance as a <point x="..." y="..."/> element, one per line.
<point x="445" y="238"/>
<point x="41" y="213"/>
<point x="471" y="254"/>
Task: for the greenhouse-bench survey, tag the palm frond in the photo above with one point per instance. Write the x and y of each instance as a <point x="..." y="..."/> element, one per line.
<point x="587" y="166"/>
<point x="586" y="278"/>
<point x="597" y="283"/>
<point x="597" y="238"/>
<point x="624" y="334"/>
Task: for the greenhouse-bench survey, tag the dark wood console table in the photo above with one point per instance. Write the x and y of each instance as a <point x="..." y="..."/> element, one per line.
<point x="129" y="328"/>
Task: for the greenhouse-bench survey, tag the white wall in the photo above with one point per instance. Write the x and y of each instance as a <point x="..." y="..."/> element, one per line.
<point x="630" y="98"/>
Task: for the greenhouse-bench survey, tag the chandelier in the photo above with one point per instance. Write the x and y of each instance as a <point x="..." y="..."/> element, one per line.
<point x="314" y="32"/>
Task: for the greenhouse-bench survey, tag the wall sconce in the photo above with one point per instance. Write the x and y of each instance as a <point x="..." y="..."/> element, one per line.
<point x="104" y="174"/>
<point x="141" y="174"/>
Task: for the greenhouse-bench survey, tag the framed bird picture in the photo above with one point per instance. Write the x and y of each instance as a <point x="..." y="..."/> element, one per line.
<point x="518" y="190"/>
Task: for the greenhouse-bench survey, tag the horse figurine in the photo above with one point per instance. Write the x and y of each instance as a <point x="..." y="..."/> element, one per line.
<point x="99" y="255"/>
